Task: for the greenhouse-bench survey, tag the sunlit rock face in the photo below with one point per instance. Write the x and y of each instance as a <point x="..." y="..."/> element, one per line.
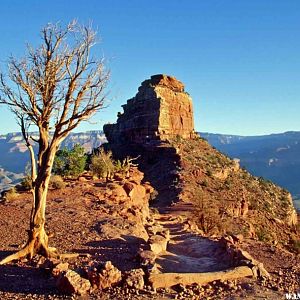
<point x="161" y="110"/>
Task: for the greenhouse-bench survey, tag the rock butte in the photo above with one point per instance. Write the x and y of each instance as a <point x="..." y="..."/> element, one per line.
<point x="160" y="110"/>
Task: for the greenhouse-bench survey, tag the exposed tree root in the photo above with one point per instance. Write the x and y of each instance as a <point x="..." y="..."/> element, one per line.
<point x="37" y="244"/>
<point x="50" y="253"/>
<point x="15" y="256"/>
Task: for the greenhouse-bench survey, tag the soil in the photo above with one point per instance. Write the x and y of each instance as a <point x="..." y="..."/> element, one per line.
<point x="75" y="218"/>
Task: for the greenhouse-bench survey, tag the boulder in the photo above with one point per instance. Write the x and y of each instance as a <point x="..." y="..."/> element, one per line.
<point x="118" y="191"/>
<point x="103" y="276"/>
<point x="135" y="175"/>
<point x="48" y="263"/>
<point x="136" y="192"/>
<point x="70" y="282"/>
<point x="158" y="243"/>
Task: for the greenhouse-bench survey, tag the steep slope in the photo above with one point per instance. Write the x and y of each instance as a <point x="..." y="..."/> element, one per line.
<point x="275" y="156"/>
<point x="228" y="199"/>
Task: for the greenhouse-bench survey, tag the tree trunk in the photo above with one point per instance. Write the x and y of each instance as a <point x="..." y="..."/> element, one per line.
<point x="37" y="237"/>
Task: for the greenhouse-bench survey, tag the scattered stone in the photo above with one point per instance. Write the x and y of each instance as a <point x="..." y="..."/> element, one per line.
<point x="82" y="179"/>
<point x="238" y="237"/>
<point x="154" y="229"/>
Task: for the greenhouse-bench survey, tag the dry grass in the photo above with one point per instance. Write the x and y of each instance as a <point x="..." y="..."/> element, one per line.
<point x="57" y="182"/>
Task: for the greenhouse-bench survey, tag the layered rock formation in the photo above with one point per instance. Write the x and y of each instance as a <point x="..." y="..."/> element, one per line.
<point x="160" y="110"/>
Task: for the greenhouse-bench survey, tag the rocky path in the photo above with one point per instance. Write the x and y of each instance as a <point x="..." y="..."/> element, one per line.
<point x="183" y="256"/>
<point x="187" y="251"/>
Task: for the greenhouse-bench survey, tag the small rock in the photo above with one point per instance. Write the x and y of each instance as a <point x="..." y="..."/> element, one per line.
<point x="237" y="237"/>
<point x="58" y="269"/>
<point x="147" y="257"/>
<point x="82" y="179"/>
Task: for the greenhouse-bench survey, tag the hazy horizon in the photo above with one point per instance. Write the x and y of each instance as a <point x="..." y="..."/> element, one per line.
<point x="78" y="130"/>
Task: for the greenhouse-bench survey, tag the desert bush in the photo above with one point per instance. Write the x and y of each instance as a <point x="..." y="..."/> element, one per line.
<point x="263" y="235"/>
<point x="125" y="165"/>
<point x="206" y="215"/>
<point x="267" y="206"/>
<point x="70" y="162"/>
<point x="285" y="201"/>
<point x="11" y="194"/>
<point x="201" y="138"/>
<point x="102" y="164"/>
<point x="26" y="183"/>
<point x="209" y="173"/>
<point x="296" y="246"/>
<point x="57" y="182"/>
<point x="265" y="183"/>
<point x="228" y="183"/>
<point x="204" y="183"/>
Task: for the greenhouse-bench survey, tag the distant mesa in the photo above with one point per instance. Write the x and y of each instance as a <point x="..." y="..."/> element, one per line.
<point x="161" y="110"/>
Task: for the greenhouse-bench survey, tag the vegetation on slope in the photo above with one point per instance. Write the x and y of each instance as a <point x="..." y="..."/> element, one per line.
<point x="227" y="199"/>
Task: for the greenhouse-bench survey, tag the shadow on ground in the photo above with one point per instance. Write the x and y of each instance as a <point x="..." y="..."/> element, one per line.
<point x="122" y="252"/>
<point x="25" y="280"/>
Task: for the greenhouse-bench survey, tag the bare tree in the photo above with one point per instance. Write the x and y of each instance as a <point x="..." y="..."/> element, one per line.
<point x="54" y="87"/>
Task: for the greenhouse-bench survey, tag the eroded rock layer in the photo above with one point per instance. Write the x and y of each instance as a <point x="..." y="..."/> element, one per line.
<point x="160" y="110"/>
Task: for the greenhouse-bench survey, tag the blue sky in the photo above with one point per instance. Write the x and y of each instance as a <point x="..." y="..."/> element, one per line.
<point x="239" y="60"/>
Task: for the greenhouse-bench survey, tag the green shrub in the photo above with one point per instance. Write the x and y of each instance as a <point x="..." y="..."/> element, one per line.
<point x="285" y="201"/>
<point x="102" y="164"/>
<point x="204" y="183"/>
<point x="70" y="162"/>
<point x="57" y="182"/>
